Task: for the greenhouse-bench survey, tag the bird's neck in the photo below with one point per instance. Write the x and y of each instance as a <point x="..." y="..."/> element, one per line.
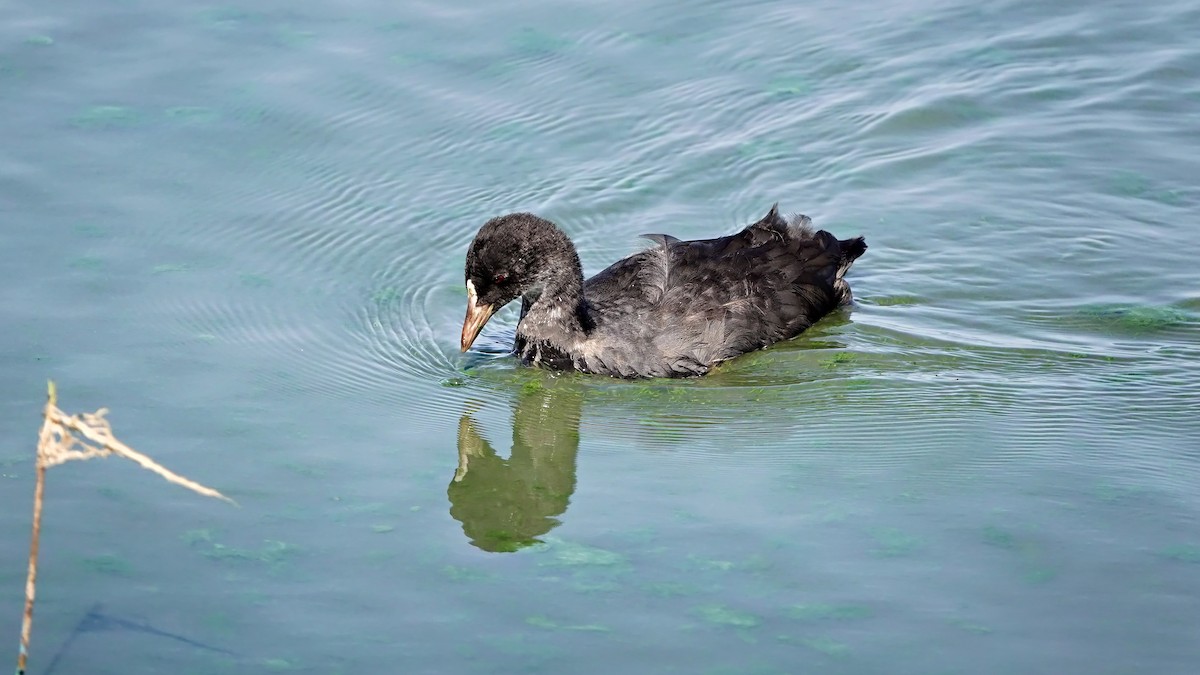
<point x="555" y="310"/>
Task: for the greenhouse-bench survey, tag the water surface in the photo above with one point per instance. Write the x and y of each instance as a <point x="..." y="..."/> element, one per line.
<point x="241" y="228"/>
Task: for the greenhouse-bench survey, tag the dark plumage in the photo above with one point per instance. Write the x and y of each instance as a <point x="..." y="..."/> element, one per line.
<point x="673" y="310"/>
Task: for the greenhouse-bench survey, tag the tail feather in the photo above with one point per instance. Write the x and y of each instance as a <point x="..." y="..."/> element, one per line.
<point x="851" y="250"/>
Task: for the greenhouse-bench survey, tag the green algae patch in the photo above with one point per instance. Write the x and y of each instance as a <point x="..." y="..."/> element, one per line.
<point x="87" y="263"/>
<point x="107" y="117"/>
<point x="169" y="268"/>
<point x="272" y="552"/>
<point x="1188" y="553"/>
<point x="823" y="612"/>
<point x="1134" y="318"/>
<point x="672" y="589"/>
<point x="109" y="565"/>
<point x="251" y="280"/>
<point x="191" y="115"/>
<point x="569" y="554"/>
<point x="970" y="626"/>
<point x="826" y="646"/>
<point x="840" y="359"/>
<point x="466" y="574"/>
<point x="789" y="87"/>
<point x="385" y="296"/>
<point x="892" y="543"/>
<point x="894" y="301"/>
<point x="545" y="622"/>
<point x="722" y="615"/>
<point x="1000" y="538"/>
<point x="534" y="42"/>
<point x="532" y="387"/>
<point x="279" y="665"/>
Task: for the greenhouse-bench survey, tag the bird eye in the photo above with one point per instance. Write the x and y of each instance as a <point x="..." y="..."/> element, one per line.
<point x="500" y="277"/>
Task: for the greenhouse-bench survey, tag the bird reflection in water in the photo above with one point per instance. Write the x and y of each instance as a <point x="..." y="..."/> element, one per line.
<point x="506" y="504"/>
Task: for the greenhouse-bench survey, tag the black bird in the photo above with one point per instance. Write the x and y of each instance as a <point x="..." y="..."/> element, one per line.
<point x="673" y="310"/>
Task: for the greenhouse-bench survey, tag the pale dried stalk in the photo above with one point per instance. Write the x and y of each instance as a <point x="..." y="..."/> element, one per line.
<point x="57" y="445"/>
<point x="94" y="428"/>
<point x="45" y="437"/>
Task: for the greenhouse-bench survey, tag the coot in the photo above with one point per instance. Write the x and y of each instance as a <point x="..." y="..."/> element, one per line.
<point x="673" y="310"/>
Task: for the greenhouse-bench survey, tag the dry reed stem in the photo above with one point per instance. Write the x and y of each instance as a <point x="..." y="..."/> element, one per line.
<point x="57" y="445"/>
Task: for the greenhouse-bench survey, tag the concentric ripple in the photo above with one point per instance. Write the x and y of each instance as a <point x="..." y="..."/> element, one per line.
<point x="339" y="264"/>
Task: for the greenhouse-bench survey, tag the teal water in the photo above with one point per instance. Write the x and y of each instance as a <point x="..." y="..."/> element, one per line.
<point x="242" y="228"/>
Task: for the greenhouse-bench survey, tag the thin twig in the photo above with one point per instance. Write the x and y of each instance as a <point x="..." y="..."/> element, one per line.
<point x="96" y="429"/>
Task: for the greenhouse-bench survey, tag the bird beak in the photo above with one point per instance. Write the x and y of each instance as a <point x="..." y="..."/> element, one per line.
<point x="477" y="315"/>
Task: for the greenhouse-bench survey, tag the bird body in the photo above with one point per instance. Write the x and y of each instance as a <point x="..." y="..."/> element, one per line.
<point x="675" y="309"/>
